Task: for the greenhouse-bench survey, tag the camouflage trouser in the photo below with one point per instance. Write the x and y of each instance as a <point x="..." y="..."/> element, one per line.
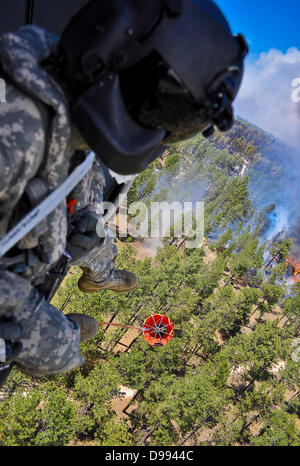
<point x="99" y="263"/>
<point x="51" y="341"/>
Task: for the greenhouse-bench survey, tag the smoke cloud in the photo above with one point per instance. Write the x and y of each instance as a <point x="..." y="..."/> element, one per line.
<point x="267" y="97"/>
<point x="270" y="98"/>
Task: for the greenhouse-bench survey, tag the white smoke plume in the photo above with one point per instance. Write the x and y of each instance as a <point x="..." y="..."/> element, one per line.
<point x="270" y="98"/>
<point x="269" y="94"/>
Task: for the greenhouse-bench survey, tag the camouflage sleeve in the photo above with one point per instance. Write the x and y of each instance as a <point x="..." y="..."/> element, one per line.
<point x="22" y="145"/>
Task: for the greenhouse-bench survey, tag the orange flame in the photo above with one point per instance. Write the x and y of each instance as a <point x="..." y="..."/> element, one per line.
<point x="296" y="269"/>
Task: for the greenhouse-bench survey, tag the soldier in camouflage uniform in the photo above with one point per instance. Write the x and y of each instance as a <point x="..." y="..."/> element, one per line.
<point x="37" y="140"/>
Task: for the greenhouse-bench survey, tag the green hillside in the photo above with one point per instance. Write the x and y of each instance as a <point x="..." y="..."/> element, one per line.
<point x="230" y="375"/>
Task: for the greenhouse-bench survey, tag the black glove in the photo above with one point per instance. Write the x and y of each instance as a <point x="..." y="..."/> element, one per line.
<point x="10" y="346"/>
<point x="83" y="237"/>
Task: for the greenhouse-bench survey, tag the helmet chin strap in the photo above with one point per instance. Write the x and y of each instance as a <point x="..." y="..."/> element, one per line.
<point x="103" y="120"/>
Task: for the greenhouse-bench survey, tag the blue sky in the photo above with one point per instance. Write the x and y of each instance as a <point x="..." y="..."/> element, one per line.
<point x="265" y="23"/>
<point x="272" y="72"/>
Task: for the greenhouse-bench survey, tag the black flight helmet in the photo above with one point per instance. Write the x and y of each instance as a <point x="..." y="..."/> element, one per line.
<point x="141" y="73"/>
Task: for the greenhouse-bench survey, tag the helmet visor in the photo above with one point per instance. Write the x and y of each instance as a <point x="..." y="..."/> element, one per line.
<point x="170" y="107"/>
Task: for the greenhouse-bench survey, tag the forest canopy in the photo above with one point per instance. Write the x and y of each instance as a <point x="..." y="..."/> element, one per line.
<point x="228" y="377"/>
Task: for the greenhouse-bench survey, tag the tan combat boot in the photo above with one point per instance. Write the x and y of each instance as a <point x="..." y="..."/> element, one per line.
<point x="120" y="280"/>
<point x="88" y="325"/>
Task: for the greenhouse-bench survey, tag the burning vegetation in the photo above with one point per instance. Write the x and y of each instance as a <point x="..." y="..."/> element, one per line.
<point x="293" y="270"/>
